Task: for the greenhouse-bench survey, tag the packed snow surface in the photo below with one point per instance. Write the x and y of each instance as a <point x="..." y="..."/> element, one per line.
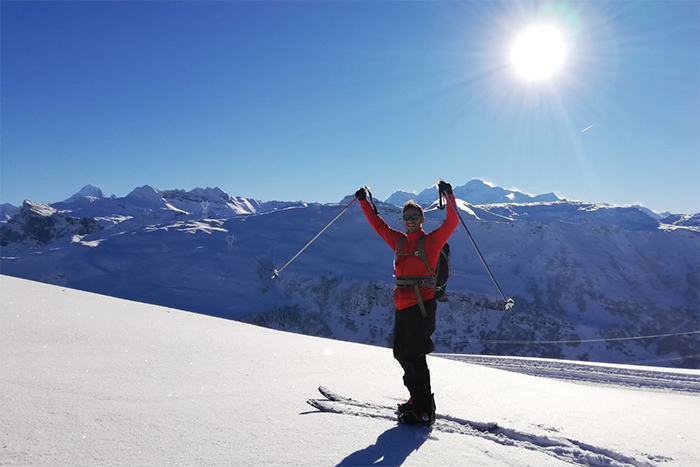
<point x="90" y="380"/>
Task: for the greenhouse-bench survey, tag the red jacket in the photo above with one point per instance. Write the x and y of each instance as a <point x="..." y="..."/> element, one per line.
<point x="413" y="265"/>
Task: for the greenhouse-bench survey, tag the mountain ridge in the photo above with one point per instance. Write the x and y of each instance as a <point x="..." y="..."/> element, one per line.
<point x="476" y="192"/>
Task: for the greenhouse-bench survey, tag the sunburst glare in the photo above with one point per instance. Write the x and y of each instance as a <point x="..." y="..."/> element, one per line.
<point x="538" y="53"/>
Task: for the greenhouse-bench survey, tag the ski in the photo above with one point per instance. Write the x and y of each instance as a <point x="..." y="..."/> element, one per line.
<point x="325" y="405"/>
<point x="337" y="403"/>
<point x="564" y="449"/>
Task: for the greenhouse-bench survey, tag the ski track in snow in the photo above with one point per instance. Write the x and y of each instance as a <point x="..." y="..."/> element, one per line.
<point x="565" y="449"/>
<point x="624" y="376"/>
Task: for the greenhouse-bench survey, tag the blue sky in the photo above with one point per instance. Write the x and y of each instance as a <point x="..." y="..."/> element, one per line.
<point x="310" y="100"/>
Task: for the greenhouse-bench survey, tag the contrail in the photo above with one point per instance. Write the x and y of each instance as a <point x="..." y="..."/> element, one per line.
<point x="587" y="128"/>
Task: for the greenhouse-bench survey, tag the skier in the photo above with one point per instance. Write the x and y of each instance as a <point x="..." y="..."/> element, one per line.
<point x="414" y="297"/>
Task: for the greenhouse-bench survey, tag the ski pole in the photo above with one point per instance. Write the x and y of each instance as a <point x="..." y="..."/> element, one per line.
<point x="509" y="302"/>
<point x="276" y="272"/>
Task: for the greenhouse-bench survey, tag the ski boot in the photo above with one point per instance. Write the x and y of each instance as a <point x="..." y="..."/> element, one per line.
<point x="413" y="417"/>
<point x="405" y="407"/>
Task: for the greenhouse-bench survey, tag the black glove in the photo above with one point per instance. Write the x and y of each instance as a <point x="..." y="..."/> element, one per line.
<point x="361" y="194"/>
<point x="444" y="187"/>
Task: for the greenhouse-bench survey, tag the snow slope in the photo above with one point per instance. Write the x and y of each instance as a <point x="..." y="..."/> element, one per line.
<point x="94" y="380"/>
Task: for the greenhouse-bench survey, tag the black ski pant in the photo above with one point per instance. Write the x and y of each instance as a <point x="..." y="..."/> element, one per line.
<point x="412" y="342"/>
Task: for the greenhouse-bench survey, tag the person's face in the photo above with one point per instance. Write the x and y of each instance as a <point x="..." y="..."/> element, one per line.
<point x="414" y="221"/>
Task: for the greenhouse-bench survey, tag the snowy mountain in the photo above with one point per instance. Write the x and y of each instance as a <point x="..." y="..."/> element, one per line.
<point x="687" y="220"/>
<point x="655" y="215"/>
<point x="591" y="282"/>
<point x="203" y="202"/>
<point x="88" y="191"/>
<point x="7" y="210"/>
<point x="37" y="225"/>
<point x="474" y="192"/>
<point x="93" y="380"/>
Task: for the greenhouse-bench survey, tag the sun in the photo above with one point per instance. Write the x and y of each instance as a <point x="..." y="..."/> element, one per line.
<point x="538" y="53"/>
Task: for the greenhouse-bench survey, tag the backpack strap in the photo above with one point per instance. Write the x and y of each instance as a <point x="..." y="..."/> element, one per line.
<point x="416" y="281"/>
<point x="420" y="252"/>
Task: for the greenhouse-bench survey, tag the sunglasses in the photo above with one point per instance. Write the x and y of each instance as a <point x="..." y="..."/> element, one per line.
<point x="414" y="217"/>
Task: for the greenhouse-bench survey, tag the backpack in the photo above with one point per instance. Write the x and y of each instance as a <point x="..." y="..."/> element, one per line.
<point x="442" y="271"/>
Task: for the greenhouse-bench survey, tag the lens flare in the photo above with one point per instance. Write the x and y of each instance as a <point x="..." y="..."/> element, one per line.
<point x="538" y="52"/>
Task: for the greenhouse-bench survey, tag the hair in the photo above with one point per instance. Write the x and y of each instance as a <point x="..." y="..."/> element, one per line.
<point x="414" y="205"/>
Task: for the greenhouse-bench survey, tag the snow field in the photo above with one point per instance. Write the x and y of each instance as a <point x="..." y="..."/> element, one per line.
<point x="93" y="380"/>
